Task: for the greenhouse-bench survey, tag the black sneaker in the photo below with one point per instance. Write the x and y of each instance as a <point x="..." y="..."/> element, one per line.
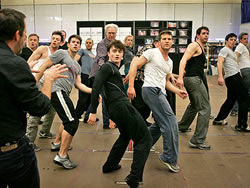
<point x="65" y="162"/>
<point x="200" y="146"/>
<point x="185" y="130"/>
<point x="131" y="184"/>
<point x="108" y="169"/>
<point x="220" y="122"/>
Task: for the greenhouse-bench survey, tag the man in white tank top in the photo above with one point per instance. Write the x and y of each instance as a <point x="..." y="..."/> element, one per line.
<point x="40" y="55"/>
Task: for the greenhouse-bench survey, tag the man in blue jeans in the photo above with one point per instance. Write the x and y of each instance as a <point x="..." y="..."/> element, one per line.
<point x="19" y="94"/>
<point x="157" y="72"/>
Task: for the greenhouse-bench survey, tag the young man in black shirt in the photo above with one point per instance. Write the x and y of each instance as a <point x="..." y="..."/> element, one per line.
<point x="128" y="120"/>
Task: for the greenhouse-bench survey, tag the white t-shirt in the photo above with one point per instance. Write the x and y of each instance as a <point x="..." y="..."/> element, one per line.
<point x="230" y="62"/>
<point x="244" y="61"/>
<point x="156" y="69"/>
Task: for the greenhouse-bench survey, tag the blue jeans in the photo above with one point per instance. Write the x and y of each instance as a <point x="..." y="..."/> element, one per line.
<point x="165" y="123"/>
<point x="18" y="167"/>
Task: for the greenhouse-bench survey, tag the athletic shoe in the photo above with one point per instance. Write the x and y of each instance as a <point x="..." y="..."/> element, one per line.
<point x="56" y="147"/>
<point x="241" y="129"/>
<point x="36" y="148"/>
<point x="81" y="120"/>
<point x="185" y="130"/>
<point x="200" y="146"/>
<point x="152" y="148"/>
<point x="107" y="170"/>
<point x="65" y="162"/>
<point x="233" y="113"/>
<point x="172" y="167"/>
<point x="46" y="135"/>
<point x="220" y="122"/>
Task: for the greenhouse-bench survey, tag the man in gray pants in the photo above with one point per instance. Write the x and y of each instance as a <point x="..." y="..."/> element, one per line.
<point x="196" y="85"/>
<point x="157" y="72"/>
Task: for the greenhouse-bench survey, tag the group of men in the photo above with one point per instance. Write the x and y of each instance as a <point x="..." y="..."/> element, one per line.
<point x="101" y="72"/>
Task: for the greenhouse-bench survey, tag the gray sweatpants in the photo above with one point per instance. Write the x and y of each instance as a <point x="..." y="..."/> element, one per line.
<point x="33" y="122"/>
<point x="199" y="103"/>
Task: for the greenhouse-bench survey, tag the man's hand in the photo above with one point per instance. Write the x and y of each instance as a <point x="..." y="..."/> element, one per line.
<point x="220" y="81"/>
<point x="173" y="78"/>
<point x="32" y="64"/>
<point x="182" y="94"/>
<point x="112" y="124"/>
<point x="92" y="119"/>
<point x="126" y="79"/>
<point x="179" y="82"/>
<point x="55" y="72"/>
<point x="131" y="93"/>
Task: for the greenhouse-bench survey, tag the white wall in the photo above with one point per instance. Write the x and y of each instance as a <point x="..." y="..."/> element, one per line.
<point x="44" y="19"/>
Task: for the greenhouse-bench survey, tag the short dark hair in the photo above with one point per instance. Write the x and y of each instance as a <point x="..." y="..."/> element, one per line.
<point x="75" y="36"/>
<point x="230" y="35"/>
<point x="165" y="32"/>
<point x="198" y="31"/>
<point x="58" y="33"/>
<point x="11" y="21"/>
<point x="117" y="44"/>
<point x="242" y="34"/>
<point x="33" y="34"/>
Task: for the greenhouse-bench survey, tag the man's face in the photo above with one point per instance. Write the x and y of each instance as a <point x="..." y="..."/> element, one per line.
<point x="111" y="33"/>
<point x="21" y="42"/>
<point x="74" y="45"/>
<point x="231" y="42"/>
<point x="129" y="42"/>
<point x="166" y="41"/>
<point x="89" y="44"/>
<point x="203" y="36"/>
<point x="33" y="42"/>
<point x="115" y="55"/>
<point x="244" y="40"/>
<point x="156" y="43"/>
<point x="55" y="41"/>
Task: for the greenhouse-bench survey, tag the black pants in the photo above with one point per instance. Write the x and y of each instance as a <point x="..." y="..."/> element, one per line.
<point x="138" y="102"/>
<point x="83" y="98"/>
<point x="131" y="126"/>
<point x="18" y="167"/>
<point x="235" y="91"/>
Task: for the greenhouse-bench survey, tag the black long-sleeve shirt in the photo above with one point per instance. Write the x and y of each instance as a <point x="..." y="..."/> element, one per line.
<point x="108" y="78"/>
<point x="18" y="95"/>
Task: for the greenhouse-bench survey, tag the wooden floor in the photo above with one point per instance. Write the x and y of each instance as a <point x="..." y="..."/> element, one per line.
<point x="226" y="165"/>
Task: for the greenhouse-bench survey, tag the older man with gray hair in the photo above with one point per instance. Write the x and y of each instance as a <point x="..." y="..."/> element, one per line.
<point x="100" y="59"/>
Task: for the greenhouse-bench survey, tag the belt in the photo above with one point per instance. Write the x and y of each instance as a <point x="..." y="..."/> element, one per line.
<point x="11" y="145"/>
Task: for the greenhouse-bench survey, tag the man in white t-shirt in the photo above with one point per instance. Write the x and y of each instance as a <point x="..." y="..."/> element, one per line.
<point x="242" y="54"/>
<point x="158" y="68"/>
<point x="235" y="88"/>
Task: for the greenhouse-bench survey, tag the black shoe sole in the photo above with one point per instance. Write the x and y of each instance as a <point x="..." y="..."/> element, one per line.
<point x="112" y="169"/>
